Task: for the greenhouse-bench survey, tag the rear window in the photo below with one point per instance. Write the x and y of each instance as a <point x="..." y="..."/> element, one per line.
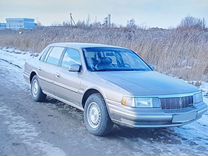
<point x="44" y="54"/>
<point x="55" y="55"/>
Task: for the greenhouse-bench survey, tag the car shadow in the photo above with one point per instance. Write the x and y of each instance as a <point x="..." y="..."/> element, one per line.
<point x="165" y="135"/>
<point x="151" y="135"/>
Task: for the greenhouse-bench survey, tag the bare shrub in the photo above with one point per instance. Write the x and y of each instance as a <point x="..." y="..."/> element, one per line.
<point x="192" y="22"/>
<point x="182" y="53"/>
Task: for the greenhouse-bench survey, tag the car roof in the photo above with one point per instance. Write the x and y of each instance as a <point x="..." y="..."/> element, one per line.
<point x="78" y="45"/>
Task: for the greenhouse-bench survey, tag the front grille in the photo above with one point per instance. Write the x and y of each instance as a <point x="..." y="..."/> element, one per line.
<point x="176" y="102"/>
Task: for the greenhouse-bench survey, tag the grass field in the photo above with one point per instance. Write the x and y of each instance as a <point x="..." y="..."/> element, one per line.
<point x="179" y="52"/>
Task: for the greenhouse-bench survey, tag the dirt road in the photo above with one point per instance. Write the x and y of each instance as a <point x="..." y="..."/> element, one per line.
<point x="53" y="128"/>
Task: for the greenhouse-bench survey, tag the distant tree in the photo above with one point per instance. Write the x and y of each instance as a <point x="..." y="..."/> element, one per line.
<point x="107" y="21"/>
<point x="192" y="22"/>
<point x="81" y="24"/>
<point x="96" y="25"/>
<point x="66" y="23"/>
<point x="131" y="24"/>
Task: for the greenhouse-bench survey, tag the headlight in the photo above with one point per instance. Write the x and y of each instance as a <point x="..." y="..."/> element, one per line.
<point x="140" y="102"/>
<point x="197" y="98"/>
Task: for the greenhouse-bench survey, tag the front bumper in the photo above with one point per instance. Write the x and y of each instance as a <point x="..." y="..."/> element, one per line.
<point x="154" y="117"/>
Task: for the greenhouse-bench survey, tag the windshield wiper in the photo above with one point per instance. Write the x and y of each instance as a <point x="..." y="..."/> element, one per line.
<point x="141" y="69"/>
<point x="104" y="70"/>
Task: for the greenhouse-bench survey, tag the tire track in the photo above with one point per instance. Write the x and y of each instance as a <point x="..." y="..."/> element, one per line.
<point x="27" y="133"/>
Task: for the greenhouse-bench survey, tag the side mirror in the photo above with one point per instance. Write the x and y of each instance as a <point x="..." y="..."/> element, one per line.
<point x="152" y="67"/>
<point x="75" y="68"/>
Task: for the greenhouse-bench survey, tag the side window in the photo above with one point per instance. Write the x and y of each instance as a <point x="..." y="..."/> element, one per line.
<point x="55" y="55"/>
<point x="71" y="56"/>
<point x="44" y="54"/>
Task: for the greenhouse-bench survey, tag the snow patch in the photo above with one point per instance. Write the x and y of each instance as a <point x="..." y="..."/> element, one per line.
<point x="16" y="57"/>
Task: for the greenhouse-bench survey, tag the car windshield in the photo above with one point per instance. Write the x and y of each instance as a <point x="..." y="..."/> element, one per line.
<point x="113" y="59"/>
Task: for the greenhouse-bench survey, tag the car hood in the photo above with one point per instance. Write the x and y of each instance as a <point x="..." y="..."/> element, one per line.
<point x="147" y="83"/>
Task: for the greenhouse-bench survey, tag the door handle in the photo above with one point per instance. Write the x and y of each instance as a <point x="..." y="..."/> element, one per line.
<point x="58" y="75"/>
<point x="39" y="68"/>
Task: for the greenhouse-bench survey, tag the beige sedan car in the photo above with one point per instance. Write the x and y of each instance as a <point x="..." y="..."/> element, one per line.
<point x="112" y="85"/>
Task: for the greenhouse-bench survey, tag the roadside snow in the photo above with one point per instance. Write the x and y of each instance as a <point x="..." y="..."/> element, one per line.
<point x="203" y="86"/>
<point x="16" y="57"/>
<point x="206" y="100"/>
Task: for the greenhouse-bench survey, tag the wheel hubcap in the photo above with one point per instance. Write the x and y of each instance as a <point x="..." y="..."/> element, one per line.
<point x="35" y="87"/>
<point x="93" y="115"/>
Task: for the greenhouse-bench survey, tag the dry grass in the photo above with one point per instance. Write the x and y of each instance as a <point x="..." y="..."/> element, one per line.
<point x="182" y="53"/>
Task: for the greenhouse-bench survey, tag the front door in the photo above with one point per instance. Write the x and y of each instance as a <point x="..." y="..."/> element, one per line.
<point x="68" y="83"/>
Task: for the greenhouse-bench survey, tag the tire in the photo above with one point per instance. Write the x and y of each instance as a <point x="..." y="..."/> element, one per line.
<point x="96" y="117"/>
<point x="36" y="90"/>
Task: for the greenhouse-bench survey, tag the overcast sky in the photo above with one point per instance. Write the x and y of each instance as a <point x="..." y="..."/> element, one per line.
<point x="150" y="13"/>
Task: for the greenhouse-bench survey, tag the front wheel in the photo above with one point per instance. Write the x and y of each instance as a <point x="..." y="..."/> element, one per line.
<point x="36" y="91"/>
<point x="96" y="117"/>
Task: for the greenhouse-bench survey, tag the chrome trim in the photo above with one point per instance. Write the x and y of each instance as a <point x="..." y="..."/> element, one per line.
<point x="65" y="86"/>
<point x="64" y="101"/>
<point x="128" y="123"/>
<point x="203" y="110"/>
<point x="26" y="75"/>
<point x="123" y="113"/>
<point x="45" y="79"/>
<point x="58" y="84"/>
<point x="165" y="96"/>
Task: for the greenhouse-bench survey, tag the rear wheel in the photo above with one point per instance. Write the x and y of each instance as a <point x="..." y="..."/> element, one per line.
<point x="36" y="90"/>
<point x="96" y="116"/>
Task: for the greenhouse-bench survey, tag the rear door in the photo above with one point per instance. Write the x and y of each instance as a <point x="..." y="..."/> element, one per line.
<point x="49" y="67"/>
<point x="68" y="83"/>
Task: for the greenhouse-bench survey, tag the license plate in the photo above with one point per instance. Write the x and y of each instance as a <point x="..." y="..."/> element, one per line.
<point x="179" y="118"/>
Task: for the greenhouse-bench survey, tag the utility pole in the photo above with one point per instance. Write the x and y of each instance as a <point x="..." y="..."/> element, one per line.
<point x="72" y="20"/>
<point x="203" y="24"/>
<point x="109" y="20"/>
<point x="88" y="20"/>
